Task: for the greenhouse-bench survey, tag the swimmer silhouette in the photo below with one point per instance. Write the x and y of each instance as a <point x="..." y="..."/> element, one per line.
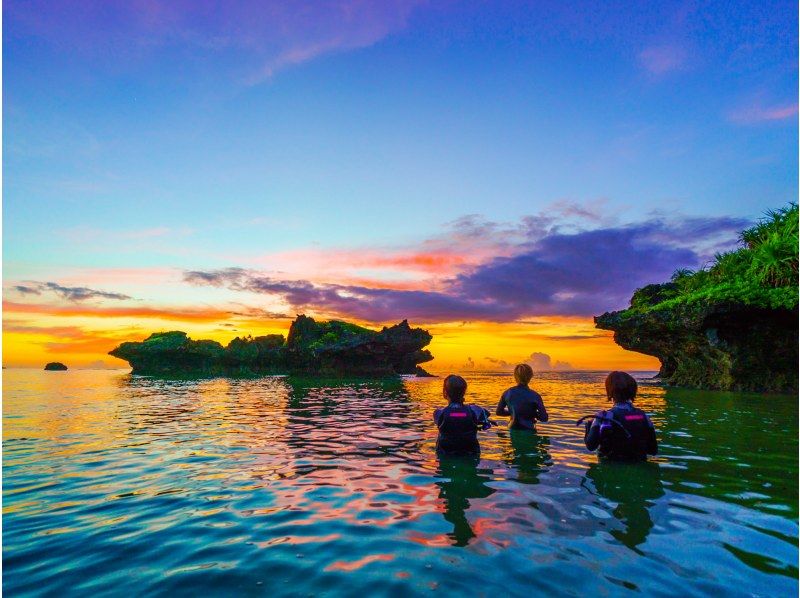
<point x="462" y="481"/>
<point x="529" y="455"/>
<point x="634" y="487"/>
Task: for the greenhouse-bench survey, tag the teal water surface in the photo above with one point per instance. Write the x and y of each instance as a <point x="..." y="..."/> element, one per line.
<point x="114" y="484"/>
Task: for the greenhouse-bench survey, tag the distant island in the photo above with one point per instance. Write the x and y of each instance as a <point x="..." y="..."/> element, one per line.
<point x="55" y="366"/>
<point x="333" y="348"/>
<point x="731" y="326"/>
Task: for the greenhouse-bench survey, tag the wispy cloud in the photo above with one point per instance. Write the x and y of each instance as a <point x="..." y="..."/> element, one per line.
<point x="264" y="37"/>
<point x="327" y="27"/>
<point x="756" y="113"/>
<point x="662" y="59"/>
<point x="73" y="294"/>
<point x="85" y="234"/>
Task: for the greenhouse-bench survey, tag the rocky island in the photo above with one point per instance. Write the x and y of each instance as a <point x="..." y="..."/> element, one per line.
<point x="731" y="326"/>
<point x="318" y="348"/>
<point x="55" y="366"/>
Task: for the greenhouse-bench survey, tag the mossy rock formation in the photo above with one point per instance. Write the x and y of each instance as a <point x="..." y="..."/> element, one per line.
<point x="55" y="366"/>
<point x="725" y="346"/>
<point x="316" y="348"/>
<point x="733" y="326"/>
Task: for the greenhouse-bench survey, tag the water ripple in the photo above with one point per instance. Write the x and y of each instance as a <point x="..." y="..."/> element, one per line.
<point x="117" y="484"/>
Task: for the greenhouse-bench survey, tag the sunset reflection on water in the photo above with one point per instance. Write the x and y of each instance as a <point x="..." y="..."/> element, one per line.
<point x="316" y="486"/>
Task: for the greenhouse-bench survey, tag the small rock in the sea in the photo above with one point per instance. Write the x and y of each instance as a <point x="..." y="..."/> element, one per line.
<point x="55" y="366"/>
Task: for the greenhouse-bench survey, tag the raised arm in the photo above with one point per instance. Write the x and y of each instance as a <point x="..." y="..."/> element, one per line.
<point x="502" y="406"/>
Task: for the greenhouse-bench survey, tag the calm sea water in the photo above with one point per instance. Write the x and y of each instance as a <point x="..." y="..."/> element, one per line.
<point x="114" y="484"/>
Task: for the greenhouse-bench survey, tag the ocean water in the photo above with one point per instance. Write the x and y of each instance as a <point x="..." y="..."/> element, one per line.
<point x="114" y="484"/>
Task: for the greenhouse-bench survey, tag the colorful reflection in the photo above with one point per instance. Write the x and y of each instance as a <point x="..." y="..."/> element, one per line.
<point x="305" y="486"/>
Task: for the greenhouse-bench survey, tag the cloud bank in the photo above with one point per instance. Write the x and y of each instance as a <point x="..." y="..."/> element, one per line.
<point x="547" y="272"/>
<point x="539" y="362"/>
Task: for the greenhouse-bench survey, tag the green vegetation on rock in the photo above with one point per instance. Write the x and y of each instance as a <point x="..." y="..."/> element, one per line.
<point x="318" y="348"/>
<point x="731" y="325"/>
<point x="761" y="273"/>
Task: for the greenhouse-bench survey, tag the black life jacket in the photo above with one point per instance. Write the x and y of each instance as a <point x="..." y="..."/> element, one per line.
<point x="629" y="439"/>
<point x="458" y="428"/>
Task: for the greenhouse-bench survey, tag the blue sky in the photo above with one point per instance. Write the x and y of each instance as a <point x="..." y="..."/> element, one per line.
<point x="464" y="108"/>
<point x="404" y="143"/>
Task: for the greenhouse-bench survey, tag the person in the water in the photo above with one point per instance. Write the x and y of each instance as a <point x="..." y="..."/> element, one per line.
<point x="459" y="423"/>
<point x="524" y="405"/>
<point x="623" y="432"/>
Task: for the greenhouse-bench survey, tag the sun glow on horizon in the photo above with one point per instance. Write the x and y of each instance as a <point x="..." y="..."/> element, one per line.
<point x="81" y="336"/>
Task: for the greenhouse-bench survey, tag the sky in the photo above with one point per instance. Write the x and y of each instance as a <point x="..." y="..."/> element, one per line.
<point x="497" y="172"/>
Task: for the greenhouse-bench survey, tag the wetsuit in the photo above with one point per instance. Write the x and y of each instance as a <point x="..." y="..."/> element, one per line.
<point x="458" y="428"/>
<point x="612" y="439"/>
<point x="524" y="405"/>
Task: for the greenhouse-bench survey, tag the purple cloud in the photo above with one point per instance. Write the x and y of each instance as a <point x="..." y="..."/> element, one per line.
<point x="27" y="290"/>
<point x="370" y="304"/>
<point x="580" y="273"/>
<point x="68" y="293"/>
<point x="583" y="272"/>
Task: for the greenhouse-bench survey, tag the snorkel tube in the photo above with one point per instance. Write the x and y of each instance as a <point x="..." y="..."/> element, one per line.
<point x="604" y="418"/>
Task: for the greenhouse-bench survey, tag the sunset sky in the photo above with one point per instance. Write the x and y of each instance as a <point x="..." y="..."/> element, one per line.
<point x="498" y="172"/>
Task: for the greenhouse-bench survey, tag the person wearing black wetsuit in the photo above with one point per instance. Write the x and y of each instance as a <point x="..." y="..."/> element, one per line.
<point x="525" y="406"/>
<point x="458" y="423"/>
<point x="623" y="432"/>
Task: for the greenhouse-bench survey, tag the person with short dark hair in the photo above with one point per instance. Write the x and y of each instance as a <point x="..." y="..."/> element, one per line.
<point x="524" y="405"/>
<point x="623" y="432"/>
<point x="458" y="424"/>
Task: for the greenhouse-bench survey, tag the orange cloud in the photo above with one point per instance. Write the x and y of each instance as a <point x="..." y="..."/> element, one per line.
<point x="178" y="314"/>
<point x="332" y="264"/>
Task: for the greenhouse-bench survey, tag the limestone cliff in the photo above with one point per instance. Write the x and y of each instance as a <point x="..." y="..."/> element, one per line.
<point x="726" y="346"/>
<point x="731" y="326"/>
